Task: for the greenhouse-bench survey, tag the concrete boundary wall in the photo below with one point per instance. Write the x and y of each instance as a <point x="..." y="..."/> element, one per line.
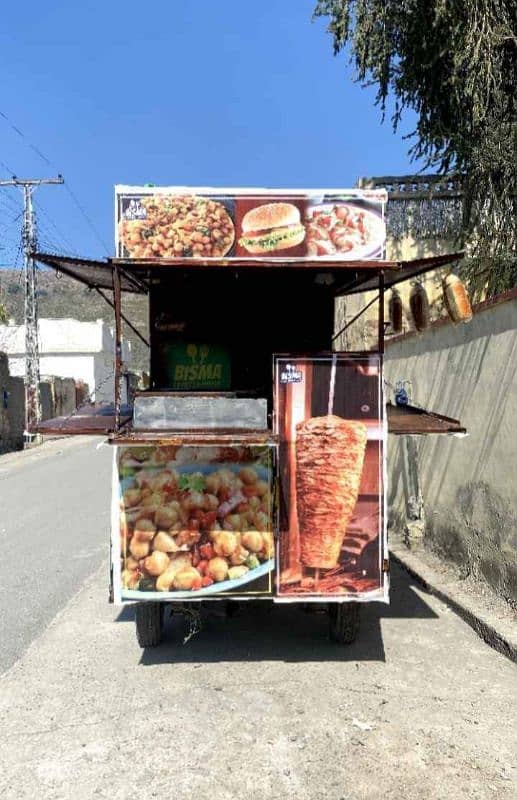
<point x="462" y="493"/>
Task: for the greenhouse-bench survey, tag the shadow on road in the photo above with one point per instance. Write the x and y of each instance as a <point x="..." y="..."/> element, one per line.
<point x="261" y="631"/>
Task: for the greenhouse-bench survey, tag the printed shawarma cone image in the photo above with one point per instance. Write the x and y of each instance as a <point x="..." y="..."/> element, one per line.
<point x="329" y="465"/>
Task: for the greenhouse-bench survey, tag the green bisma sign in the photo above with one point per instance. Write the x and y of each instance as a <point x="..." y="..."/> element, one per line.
<point x="194" y="367"/>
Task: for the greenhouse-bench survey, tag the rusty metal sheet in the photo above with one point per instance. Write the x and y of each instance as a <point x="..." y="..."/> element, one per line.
<point x="411" y="420"/>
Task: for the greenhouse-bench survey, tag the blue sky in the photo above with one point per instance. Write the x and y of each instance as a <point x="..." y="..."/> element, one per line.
<point x="192" y="92"/>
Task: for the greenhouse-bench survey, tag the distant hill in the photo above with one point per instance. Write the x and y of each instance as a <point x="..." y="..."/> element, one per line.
<point x="63" y="297"/>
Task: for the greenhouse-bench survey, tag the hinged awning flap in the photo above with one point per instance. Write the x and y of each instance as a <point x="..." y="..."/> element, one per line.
<point x="364" y="282"/>
<point x="94" y="274"/>
<point x="89" y="420"/>
<point x="100" y="420"/>
<point x="412" y="420"/>
<point x="99" y="274"/>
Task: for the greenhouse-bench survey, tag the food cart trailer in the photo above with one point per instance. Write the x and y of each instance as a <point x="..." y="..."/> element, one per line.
<point x="253" y="466"/>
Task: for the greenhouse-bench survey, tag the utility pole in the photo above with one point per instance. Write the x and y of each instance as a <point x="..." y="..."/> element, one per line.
<point x="29" y="239"/>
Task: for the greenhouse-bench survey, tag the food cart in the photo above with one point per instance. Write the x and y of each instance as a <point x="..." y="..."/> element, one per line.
<point x="253" y="467"/>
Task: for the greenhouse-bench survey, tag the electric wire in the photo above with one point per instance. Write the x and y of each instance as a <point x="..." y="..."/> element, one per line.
<point x="72" y="194"/>
<point x="7" y="169"/>
<point x="60" y="236"/>
<point x="88" y="219"/>
<point x="7" y="203"/>
<point x="8" y="200"/>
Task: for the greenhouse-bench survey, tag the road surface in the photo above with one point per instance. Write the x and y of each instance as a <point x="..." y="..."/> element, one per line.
<point x="258" y="706"/>
<point x="54" y="525"/>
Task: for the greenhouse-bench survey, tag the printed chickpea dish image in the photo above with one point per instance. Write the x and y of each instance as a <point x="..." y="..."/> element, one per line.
<point x="188" y="527"/>
<point x="175" y="226"/>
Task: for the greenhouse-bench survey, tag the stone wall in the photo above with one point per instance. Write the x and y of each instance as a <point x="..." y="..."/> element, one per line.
<point x="12" y="408"/>
<point x="62" y="396"/>
<point x="467" y="486"/>
<point x="58" y="397"/>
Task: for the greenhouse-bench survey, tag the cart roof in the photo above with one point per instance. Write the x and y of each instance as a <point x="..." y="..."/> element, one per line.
<point x="350" y="276"/>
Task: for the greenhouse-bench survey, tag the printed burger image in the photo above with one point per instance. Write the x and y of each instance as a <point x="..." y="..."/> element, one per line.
<point x="271" y="227"/>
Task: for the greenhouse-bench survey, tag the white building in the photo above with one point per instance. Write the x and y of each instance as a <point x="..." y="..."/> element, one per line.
<point x="70" y="349"/>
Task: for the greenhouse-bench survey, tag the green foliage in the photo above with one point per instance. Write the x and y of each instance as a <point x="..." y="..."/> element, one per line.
<point x="4" y="316"/>
<point x="455" y="65"/>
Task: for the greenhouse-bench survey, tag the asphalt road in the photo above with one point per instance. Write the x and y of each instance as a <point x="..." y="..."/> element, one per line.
<point x="54" y="529"/>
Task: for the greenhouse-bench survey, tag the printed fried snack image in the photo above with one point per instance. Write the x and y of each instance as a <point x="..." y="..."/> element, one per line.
<point x="178" y="226"/>
<point x="329" y="465"/>
<point x="187" y="531"/>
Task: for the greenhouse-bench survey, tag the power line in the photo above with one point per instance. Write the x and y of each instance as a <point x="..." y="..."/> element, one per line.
<point x="9" y="204"/>
<point x="61" y="237"/>
<point x="32" y="374"/>
<point x="88" y="220"/>
<point x="47" y="161"/>
<point x="8" y="201"/>
<point x="7" y="218"/>
<point x="5" y="167"/>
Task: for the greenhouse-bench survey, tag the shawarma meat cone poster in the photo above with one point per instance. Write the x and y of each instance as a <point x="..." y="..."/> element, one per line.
<point x="330" y="421"/>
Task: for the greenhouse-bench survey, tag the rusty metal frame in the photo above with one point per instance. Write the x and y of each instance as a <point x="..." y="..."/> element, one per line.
<point x="128" y="323"/>
<point x="381" y="325"/>
<point x="273" y="263"/>
<point x="355" y="318"/>
<point x="139" y="283"/>
<point x="117" y="302"/>
<point x="380" y="320"/>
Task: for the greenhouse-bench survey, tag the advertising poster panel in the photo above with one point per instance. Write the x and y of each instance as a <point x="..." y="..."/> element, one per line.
<point x="192" y="521"/>
<point x="329" y="416"/>
<point x="249" y="224"/>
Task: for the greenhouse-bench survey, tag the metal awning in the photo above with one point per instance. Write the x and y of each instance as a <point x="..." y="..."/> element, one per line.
<point x="94" y="274"/>
<point x="100" y="420"/>
<point x="350" y="277"/>
<point x="362" y="282"/>
<point x="88" y="420"/>
<point x="412" y="420"/>
<point x="137" y="265"/>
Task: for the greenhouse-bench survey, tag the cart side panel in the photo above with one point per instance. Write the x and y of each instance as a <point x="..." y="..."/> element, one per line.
<point x="193" y="522"/>
<point x="329" y="415"/>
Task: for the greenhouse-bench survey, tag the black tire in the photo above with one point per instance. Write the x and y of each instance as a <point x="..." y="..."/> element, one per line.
<point x="232" y="608"/>
<point x="149" y="624"/>
<point x="344" y="622"/>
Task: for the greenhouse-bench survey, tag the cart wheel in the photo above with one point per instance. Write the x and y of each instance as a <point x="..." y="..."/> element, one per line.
<point x="232" y="608"/>
<point x="149" y="623"/>
<point x="344" y="622"/>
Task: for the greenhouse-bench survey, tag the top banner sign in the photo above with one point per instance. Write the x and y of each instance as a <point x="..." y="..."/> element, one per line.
<point x="178" y="222"/>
